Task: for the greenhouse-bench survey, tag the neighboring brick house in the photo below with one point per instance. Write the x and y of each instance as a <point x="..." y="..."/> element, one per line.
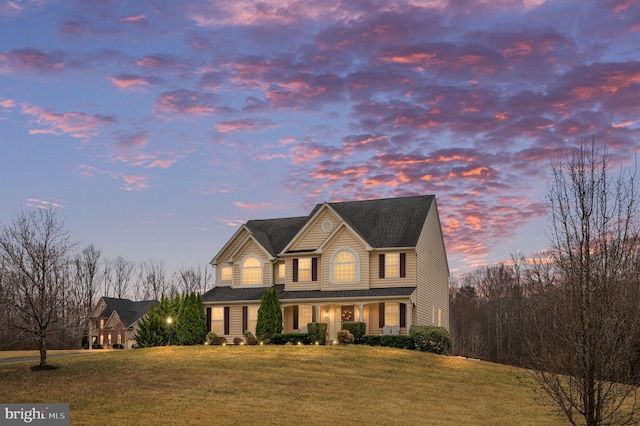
<point x="382" y="262"/>
<point x="115" y="321"/>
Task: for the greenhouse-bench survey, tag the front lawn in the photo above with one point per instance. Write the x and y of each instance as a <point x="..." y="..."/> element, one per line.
<point x="280" y="385"/>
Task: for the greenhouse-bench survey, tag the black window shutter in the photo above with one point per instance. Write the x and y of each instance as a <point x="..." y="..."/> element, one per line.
<point x="403" y="265"/>
<point x="295" y="317"/>
<point x="295" y="270"/>
<point x="381" y="315"/>
<point x="403" y="315"/>
<point x="314" y="269"/>
<point x="245" y="318"/>
<point x="208" y="320"/>
<point x="313" y="314"/>
<point x="226" y="320"/>
<point x="381" y="267"/>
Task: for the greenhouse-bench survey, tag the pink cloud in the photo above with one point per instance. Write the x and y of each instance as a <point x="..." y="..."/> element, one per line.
<point x="186" y="102"/>
<point x="76" y="124"/>
<point x="31" y="60"/>
<point x="7" y="103"/>
<point x="43" y="204"/>
<point x="136" y="18"/>
<point x="256" y="206"/>
<point x="248" y="124"/>
<point x="131" y="81"/>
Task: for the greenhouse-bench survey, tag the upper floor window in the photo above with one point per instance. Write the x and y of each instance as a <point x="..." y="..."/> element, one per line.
<point x="305" y="269"/>
<point x="226" y="273"/>
<point x="393" y="265"/>
<point x="344" y="266"/>
<point x="281" y="270"/>
<point x="251" y="271"/>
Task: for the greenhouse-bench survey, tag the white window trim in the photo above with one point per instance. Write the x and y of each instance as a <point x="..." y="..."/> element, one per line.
<point x="357" y="259"/>
<point x="261" y="283"/>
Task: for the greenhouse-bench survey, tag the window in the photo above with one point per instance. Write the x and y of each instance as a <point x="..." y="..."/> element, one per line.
<point x="392" y="314"/>
<point x="393" y="265"/>
<point x="305" y="269"/>
<point x="251" y="271"/>
<point x="249" y="318"/>
<point x="344" y="267"/>
<point x="217" y="320"/>
<point x="226" y="273"/>
<point x="305" y="315"/>
<point x="281" y="271"/>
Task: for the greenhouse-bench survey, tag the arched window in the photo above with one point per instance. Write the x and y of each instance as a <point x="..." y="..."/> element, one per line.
<point x="345" y="266"/>
<point x="251" y="271"/>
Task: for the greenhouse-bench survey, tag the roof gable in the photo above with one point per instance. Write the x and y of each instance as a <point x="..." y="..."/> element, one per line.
<point x="389" y="222"/>
<point x="127" y="310"/>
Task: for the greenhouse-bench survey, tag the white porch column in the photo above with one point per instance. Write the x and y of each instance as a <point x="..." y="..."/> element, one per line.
<point x="361" y="316"/>
<point x="317" y="309"/>
<point x="409" y="319"/>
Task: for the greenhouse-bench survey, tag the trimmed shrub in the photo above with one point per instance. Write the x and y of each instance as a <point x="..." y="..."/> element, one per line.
<point x="249" y="338"/>
<point x="238" y="340"/>
<point x="117" y="346"/>
<point x="317" y="332"/>
<point x="289" y="338"/>
<point x="358" y="329"/>
<point x="213" y="339"/>
<point x="397" y="341"/>
<point x="345" y="337"/>
<point x="371" y="340"/>
<point x="431" y="339"/>
<point x="96" y="346"/>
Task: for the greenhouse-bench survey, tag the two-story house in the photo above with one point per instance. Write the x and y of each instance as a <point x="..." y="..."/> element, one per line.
<point x="114" y="321"/>
<point x="382" y="262"/>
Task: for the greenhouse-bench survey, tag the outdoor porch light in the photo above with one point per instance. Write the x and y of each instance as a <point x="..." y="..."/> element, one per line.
<point x="169" y="320"/>
<point x="326" y="313"/>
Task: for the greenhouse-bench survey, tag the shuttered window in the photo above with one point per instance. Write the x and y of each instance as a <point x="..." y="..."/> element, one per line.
<point x="305" y="269"/>
<point x="392" y="265"/>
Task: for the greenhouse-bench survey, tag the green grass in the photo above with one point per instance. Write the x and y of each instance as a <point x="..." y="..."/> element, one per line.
<point x="280" y="385"/>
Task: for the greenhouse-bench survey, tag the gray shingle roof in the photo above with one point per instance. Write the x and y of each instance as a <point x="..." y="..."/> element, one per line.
<point x="389" y="222"/>
<point x="274" y="234"/>
<point x="228" y="294"/>
<point x="128" y="311"/>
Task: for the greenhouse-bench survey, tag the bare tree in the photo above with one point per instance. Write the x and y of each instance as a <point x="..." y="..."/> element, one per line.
<point x="122" y="273"/>
<point x="87" y="272"/>
<point x="192" y="280"/>
<point x="152" y="282"/>
<point x="583" y="337"/>
<point x="35" y="250"/>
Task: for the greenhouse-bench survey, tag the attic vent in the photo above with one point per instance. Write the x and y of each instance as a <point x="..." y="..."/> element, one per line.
<point x="327" y="226"/>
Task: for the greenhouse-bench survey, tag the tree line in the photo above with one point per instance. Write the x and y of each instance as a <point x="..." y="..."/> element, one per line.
<point x="570" y="314"/>
<point x="49" y="284"/>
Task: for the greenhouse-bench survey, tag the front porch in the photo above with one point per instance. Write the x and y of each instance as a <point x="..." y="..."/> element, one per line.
<point x="380" y="317"/>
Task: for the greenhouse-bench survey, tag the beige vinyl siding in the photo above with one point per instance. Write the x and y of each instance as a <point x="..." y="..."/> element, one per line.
<point x="374" y="271"/>
<point x="432" y="274"/>
<point x="313" y="236"/>
<point x="235" y="323"/>
<point x="277" y="280"/>
<point x="302" y="285"/>
<point x="374" y="319"/>
<point x="287" y="320"/>
<point x="344" y="238"/>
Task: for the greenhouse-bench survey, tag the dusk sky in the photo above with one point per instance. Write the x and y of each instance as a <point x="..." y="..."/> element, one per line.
<point x="156" y="128"/>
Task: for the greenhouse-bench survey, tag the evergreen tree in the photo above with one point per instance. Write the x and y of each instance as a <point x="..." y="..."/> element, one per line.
<point x="269" y="316"/>
<point x="151" y="329"/>
<point x="191" y="325"/>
